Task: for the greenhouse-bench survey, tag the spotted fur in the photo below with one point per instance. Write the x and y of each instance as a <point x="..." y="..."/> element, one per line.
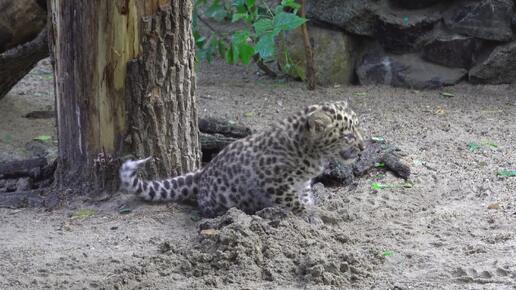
<point x="273" y="167"/>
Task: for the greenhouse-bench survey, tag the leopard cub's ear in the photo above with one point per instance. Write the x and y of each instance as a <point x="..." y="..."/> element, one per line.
<point x="318" y="121"/>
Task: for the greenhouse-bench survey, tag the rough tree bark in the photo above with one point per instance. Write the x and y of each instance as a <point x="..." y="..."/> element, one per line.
<point x="125" y="82"/>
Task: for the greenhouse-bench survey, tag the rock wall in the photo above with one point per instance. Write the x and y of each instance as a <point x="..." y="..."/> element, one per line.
<point x="419" y="44"/>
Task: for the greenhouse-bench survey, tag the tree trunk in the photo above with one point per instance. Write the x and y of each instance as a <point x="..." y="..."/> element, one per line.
<point x="125" y="82"/>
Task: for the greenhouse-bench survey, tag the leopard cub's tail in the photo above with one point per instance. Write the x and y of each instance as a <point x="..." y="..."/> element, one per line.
<point x="184" y="187"/>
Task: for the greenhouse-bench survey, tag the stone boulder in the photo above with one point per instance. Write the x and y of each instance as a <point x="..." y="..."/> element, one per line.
<point x="485" y="19"/>
<point x="407" y="71"/>
<point x="498" y="68"/>
<point x="398" y="31"/>
<point x="353" y="16"/>
<point x="452" y="50"/>
<point x="333" y="55"/>
<point x="414" y="4"/>
<point x="20" y="22"/>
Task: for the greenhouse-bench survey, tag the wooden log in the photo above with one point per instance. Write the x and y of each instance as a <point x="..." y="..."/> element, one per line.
<point x="40" y="115"/>
<point x="212" y="144"/>
<point x="224" y="127"/>
<point x="19" y="199"/>
<point x="338" y="173"/>
<point x="215" y="134"/>
<point x="23" y="168"/>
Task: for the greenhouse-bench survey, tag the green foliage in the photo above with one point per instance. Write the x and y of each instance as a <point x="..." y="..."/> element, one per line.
<point x="83" y="213"/>
<point x="43" y="138"/>
<point x="507" y="173"/>
<point x="263" y="24"/>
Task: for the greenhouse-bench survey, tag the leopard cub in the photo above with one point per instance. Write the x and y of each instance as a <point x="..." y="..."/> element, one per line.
<point x="273" y="167"/>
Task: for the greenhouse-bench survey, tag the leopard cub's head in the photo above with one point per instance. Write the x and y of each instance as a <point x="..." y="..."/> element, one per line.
<point x="333" y="128"/>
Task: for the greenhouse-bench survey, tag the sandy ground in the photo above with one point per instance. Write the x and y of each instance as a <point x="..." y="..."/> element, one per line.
<point x="454" y="229"/>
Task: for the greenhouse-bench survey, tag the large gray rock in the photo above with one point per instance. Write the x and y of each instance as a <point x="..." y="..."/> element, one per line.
<point x="407" y="71"/>
<point x="486" y="19"/>
<point x="20" y="22"/>
<point x="334" y="55"/>
<point x="354" y="16"/>
<point x="398" y="31"/>
<point x="414" y="4"/>
<point x="452" y="50"/>
<point x="498" y="68"/>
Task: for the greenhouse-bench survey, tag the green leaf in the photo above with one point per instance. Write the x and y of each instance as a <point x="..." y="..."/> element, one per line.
<point x="246" y="52"/>
<point x="290" y="3"/>
<point x="222" y="47"/>
<point x="83" y="213"/>
<point x="235" y="55"/>
<point x="240" y="37"/>
<point x="230" y="56"/>
<point x="199" y="39"/>
<point x="43" y="138"/>
<point x="490" y="144"/>
<point x="388" y="253"/>
<point x="378" y="139"/>
<point x="473" y="146"/>
<point x="360" y="94"/>
<point x="278" y="10"/>
<point x="265" y="46"/>
<point x="241" y="49"/>
<point x="447" y="95"/>
<point x="216" y="11"/>
<point x="250" y="3"/>
<point x="378" y="186"/>
<point x="248" y="114"/>
<point x="238" y="16"/>
<point x="407" y="184"/>
<point x="287" y="21"/>
<point x="263" y="26"/>
<point x="124" y="210"/>
<point x="507" y="173"/>
<point x="379" y="165"/>
<point x="238" y="3"/>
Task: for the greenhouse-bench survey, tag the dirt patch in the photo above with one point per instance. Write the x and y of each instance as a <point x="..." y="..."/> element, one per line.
<point x="453" y="229"/>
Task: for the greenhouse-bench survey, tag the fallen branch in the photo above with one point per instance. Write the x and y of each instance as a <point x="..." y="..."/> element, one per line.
<point x="22" y="168"/>
<point x="338" y="173"/>
<point x="226" y="128"/>
<point x="17" y="62"/>
<point x="217" y="134"/>
<point x="309" y="54"/>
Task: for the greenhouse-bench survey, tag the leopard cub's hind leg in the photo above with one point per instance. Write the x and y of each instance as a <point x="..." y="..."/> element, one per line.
<point x="287" y="197"/>
<point x="306" y="196"/>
